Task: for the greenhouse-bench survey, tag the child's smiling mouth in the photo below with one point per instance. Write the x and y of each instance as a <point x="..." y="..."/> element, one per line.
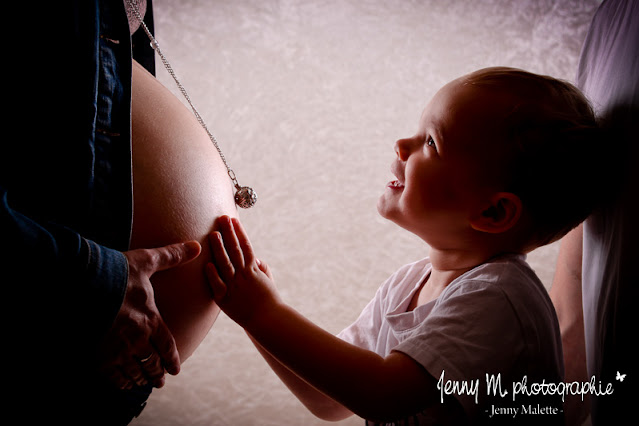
<point x="398" y="171"/>
<point x="396" y="184"/>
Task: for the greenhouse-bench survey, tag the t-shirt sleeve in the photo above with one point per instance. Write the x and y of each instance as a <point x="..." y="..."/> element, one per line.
<point x="370" y="328"/>
<point x="364" y="332"/>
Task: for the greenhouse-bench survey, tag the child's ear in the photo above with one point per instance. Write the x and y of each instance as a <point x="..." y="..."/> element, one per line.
<point x="499" y="214"/>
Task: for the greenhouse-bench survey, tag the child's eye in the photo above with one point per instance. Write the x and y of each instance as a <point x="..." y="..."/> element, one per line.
<point x="431" y="143"/>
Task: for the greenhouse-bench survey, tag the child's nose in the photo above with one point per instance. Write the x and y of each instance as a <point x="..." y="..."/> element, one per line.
<point x="403" y="148"/>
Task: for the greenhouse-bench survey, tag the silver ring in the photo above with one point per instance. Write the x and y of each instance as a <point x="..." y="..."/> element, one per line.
<point x="143" y="360"/>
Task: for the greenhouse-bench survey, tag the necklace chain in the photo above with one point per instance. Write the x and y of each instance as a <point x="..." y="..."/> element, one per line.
<point x="245" y="197"/>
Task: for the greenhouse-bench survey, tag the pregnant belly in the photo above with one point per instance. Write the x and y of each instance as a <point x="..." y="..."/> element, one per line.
<point x="180" y="187"/>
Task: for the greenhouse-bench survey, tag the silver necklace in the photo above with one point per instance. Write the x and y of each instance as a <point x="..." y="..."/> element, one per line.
<point x="245" y="196"/>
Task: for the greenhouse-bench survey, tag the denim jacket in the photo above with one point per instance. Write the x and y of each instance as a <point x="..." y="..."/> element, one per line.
<point x="66" y="175"/>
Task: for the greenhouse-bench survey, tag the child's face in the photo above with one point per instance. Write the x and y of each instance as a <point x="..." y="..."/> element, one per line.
<point x="442" y="170"/>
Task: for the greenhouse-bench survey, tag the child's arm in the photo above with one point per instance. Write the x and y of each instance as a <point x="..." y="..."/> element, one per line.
<point x="369" y="385"/>
<point x="316" y="402"/>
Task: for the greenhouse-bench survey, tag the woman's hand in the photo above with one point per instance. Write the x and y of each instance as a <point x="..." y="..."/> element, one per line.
<point x="139" y="348"/>
<point x="242" y="285"/>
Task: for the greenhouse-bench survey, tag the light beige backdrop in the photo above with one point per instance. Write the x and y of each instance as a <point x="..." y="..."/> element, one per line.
<point x="306" y="99"/>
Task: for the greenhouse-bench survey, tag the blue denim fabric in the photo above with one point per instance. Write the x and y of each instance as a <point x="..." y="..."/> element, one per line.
<point x="65" y="194"/>
<point x="68" y="188"/>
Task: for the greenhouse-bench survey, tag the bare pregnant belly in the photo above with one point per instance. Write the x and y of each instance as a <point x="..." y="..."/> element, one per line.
<point x="180" y="187"/>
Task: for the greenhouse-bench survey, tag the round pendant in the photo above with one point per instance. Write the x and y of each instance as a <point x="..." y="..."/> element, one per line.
<point x="245" y="197"/>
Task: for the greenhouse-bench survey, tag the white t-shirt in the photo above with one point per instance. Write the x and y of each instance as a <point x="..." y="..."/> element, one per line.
<point x="496" y="319"/>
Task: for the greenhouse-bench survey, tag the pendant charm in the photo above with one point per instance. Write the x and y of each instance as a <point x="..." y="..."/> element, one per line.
<point x="245" y="197"/>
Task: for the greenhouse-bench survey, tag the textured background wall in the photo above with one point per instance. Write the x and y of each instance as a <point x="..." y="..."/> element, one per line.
<point x="307" y="99"/>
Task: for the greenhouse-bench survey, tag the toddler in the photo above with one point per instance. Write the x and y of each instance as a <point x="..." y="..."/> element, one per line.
<point x="494" y="171"/>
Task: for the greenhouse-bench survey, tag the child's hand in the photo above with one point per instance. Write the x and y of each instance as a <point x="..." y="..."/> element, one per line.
<point x="241" y="284"/>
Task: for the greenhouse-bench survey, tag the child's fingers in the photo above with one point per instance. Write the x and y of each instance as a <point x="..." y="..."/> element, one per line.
<point x="218" y="288"/>
<point x="231" y="244"/>
<point x="223" y="265"/>
<point x="244" y="242"/>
